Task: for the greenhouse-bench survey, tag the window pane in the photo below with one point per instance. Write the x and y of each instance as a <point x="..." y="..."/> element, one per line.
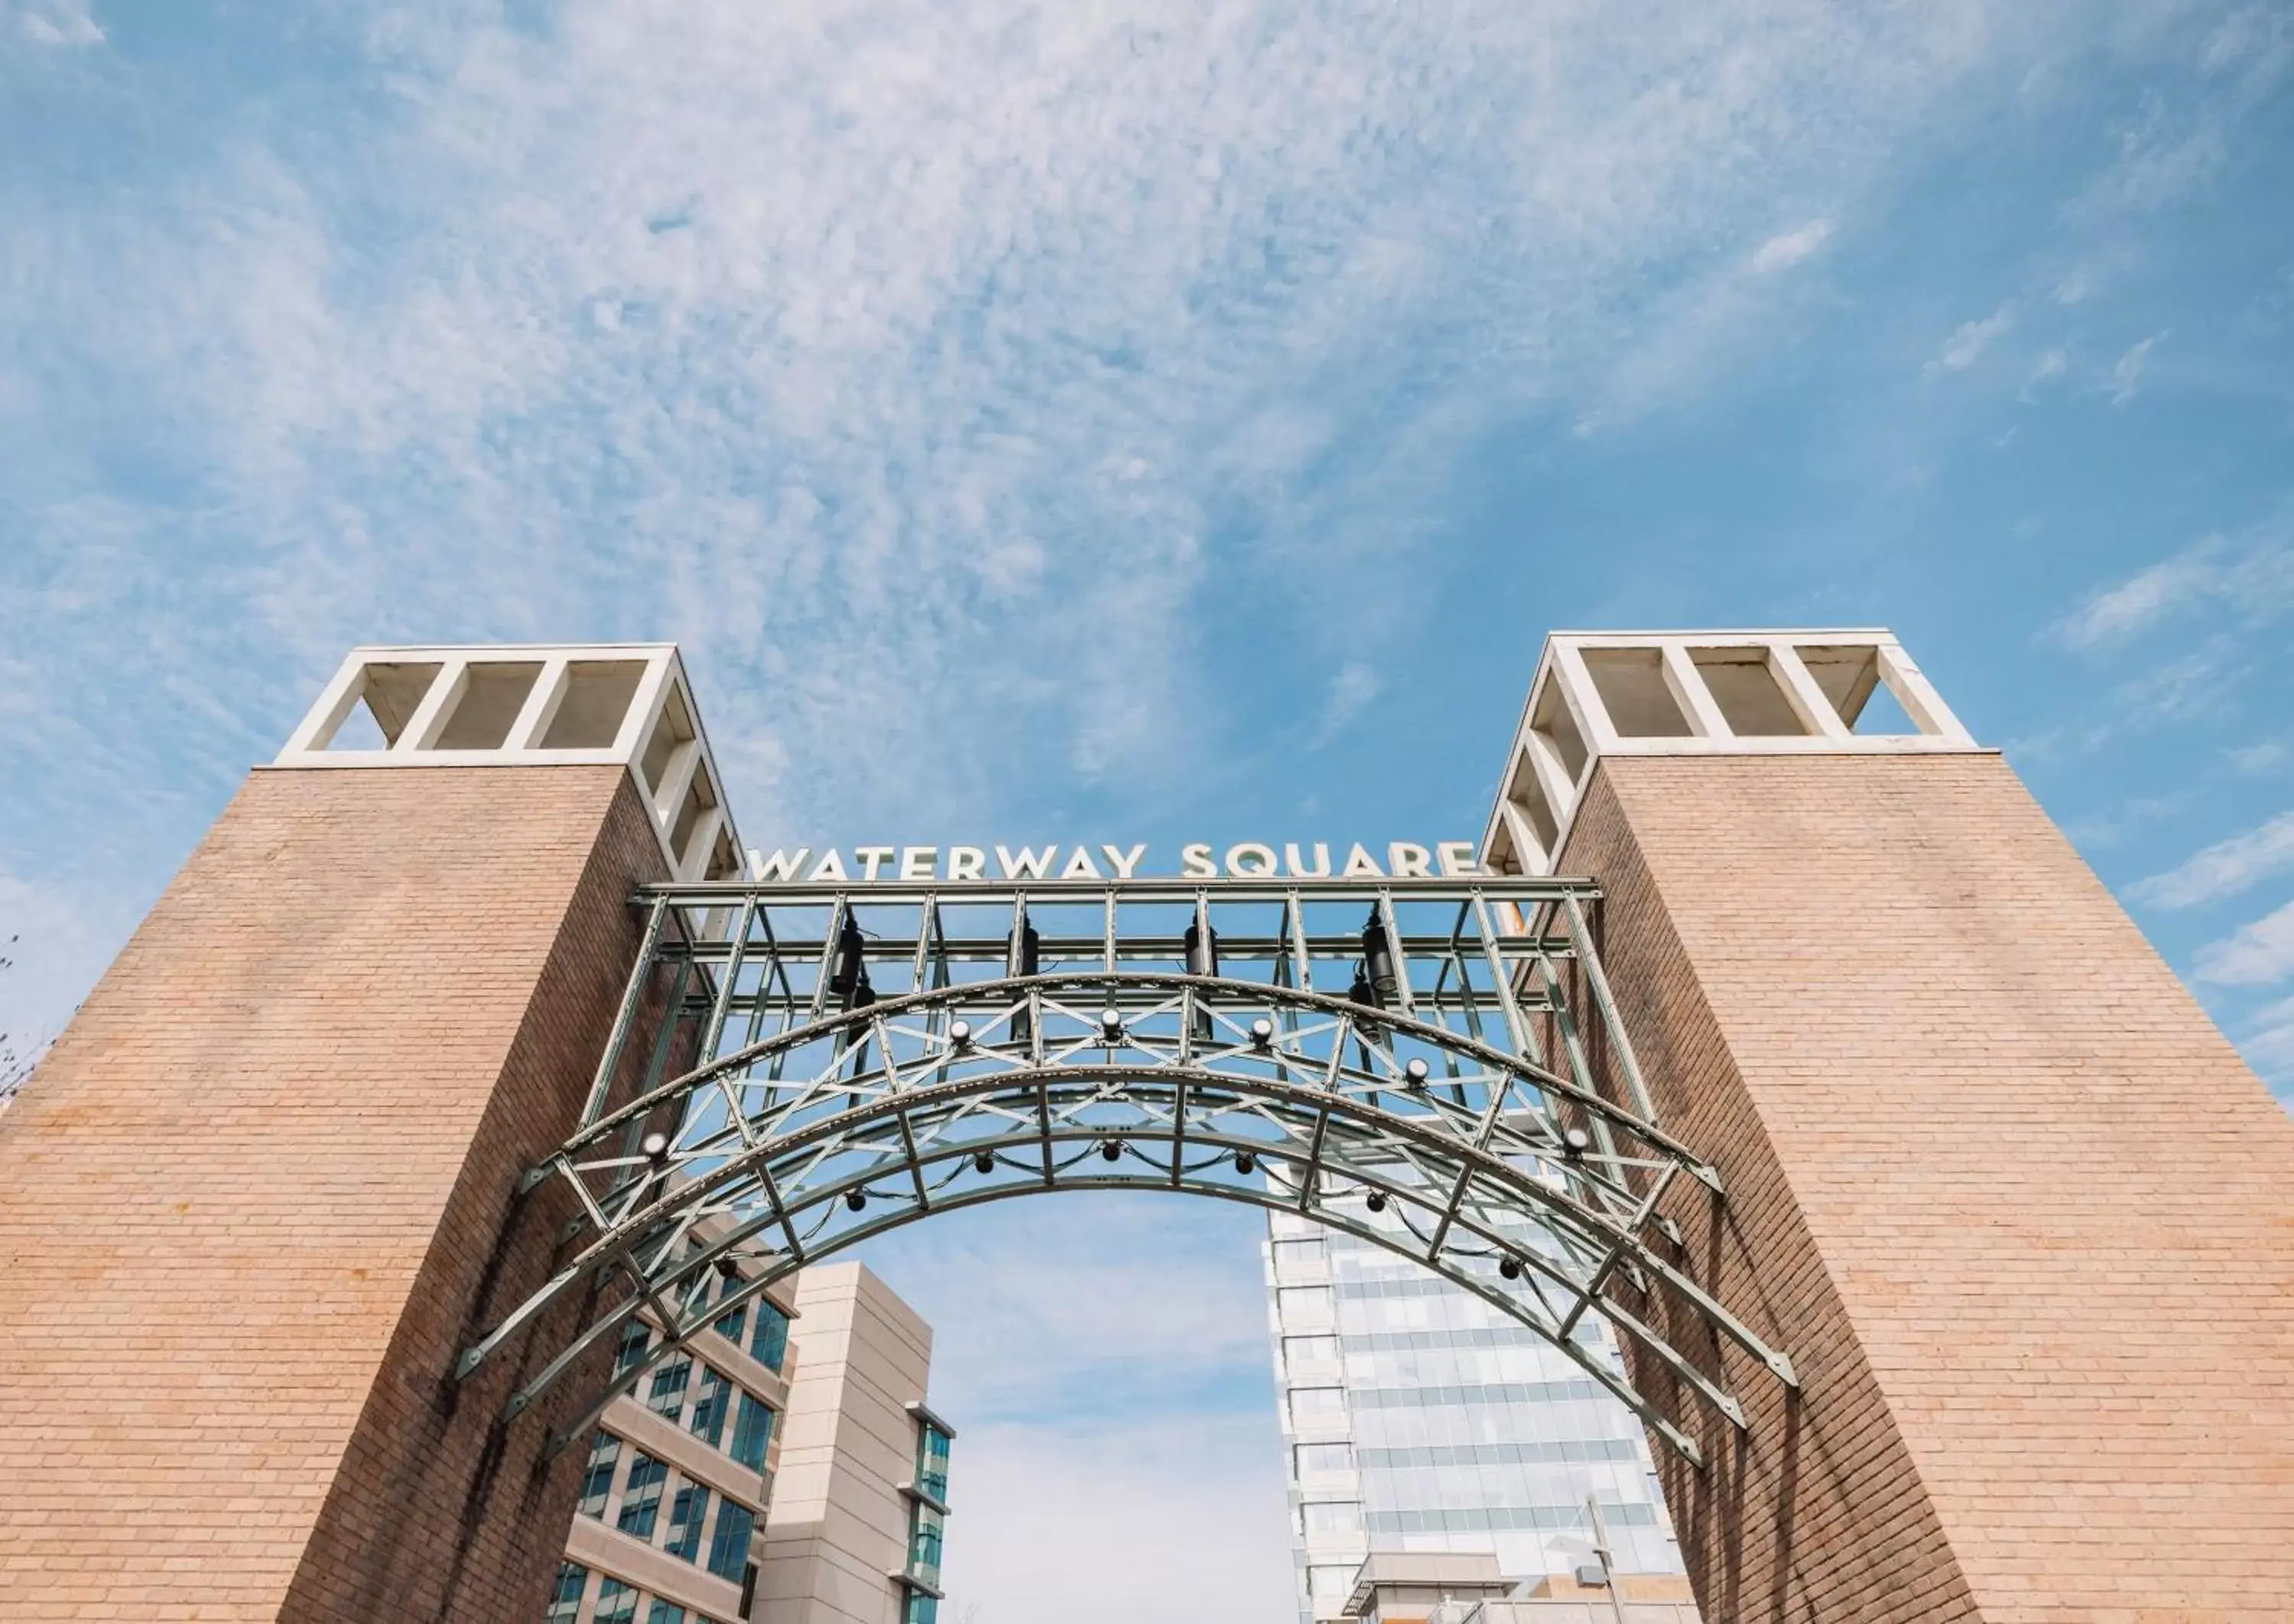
<point x="641" y="1496"/>
<point x="636" y="1335"/>
<point x="926" y="1530"/>
<point x="768" y="1342"/>
<point x="731" y="1326"/>
<point x="932" y="1461"/>
<point x="709" y="1407"/>
<point x="667" y="1395"/>
<point x="565" y="1601"/>
<point x="598" y="1481"/>
<point x="1317" y="1403"/>
<point x="922" y="1609"/>
<point x="665" y="1613"/>
<point x="617" y="1603"/>
<point x="728" y="1546"/>
<point x="687" y="1512"/>
<point x="752" y="1431"/>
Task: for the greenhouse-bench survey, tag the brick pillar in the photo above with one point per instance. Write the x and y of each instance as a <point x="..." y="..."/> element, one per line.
<point x="2019" y="1212"/>
<point x="261" y="1192"/>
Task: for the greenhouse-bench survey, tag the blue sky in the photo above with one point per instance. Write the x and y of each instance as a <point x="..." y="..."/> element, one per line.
<point x="1091" y="422"/>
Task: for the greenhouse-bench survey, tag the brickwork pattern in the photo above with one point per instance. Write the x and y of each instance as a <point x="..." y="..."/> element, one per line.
<point x="261" y="1192"/>
<point x="2019" y="1212"/>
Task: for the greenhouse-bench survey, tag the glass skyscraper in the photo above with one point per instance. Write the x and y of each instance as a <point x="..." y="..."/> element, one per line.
<point x="1418" y="1417"/>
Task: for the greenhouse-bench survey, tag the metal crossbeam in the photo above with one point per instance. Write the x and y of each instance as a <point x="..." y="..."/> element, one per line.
<point x="837" y="1062"/>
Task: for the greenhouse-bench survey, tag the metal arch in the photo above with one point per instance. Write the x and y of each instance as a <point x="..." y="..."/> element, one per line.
<point x="891" y="1115"/>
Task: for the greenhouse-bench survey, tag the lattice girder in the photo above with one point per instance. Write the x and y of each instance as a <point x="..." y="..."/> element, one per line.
<point x="1535" y="1190"/>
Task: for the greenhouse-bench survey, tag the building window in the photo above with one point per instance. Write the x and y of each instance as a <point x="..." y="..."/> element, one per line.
<point x="687" y="1512"/>
<point x="565" y="1601"/>
<point x="617" y="1603"/>
<point x="1309" y="1306"/>
<point x="665" y="1613"/>
<point x="731" y="1326"/>
<point x="641" y="1494"/>
<point x="728" y="1546"/>
<point x="666" y="1397"/>
<point x="922" y="1609"/>
<point x="932" y="1461"/>
<point x="637" y="1337"/>
<point x="1317" y="1403"/>
<point x="926" y="1531"/>
<point x="711" y="1402"/>
<point x="768" y="1342"/>
<point x="752" y="1431"/>
<point x="1329" y="1587"/>
<point x="1332" y="1517"/>
<point x="1325" y="1457"/>
<point x="1298" y="1351"/>
<point x="598" y="1481"/>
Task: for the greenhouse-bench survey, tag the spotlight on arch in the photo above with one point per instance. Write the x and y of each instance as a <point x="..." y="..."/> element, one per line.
<point x="856" y="1198"/>
<point x="1111" y="1150"/>
<point x="1509" y="1267"/>
<point x="983" y="1161"/>
<point x="656" y="1148"/>
<point x="1110" y="1022"/>
<point x="1244" y="1162"/>
<point x="959" y="1035"/>
<point x="1415" y="1073"/>
<point x="1262" y="1033"/>
<point x="1375" y="1201"/>
<point x="1576" y="1142"/>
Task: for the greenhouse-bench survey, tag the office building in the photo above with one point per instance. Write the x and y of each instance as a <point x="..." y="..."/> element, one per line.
<point x="1417" y="1417"/>
<point x="860" y="1503"/>
<point x="784" y="1467"/>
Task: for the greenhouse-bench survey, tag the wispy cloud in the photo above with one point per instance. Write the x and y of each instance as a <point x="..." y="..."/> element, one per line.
<point x="2126" y="371"/>
<point x="1352" y="690"/>
<point x="2254" y="579"/>
<point x="2259" y="954"/>
<point x="1786" y="249"/>
<point x="52" y="22"/>
<point x="1968" y="341"/>
<point x="2224" y="869"/>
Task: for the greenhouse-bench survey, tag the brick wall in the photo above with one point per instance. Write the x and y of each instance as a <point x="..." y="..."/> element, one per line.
<point x="261" y="1193"/>
<point x="2017" y="1209"/>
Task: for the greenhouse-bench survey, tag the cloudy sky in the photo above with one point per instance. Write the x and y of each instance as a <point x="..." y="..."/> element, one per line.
<point x="1146" y="423"/>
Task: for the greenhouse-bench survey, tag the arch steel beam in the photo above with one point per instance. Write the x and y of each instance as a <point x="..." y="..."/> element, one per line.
<point x="1532" y="1190"/>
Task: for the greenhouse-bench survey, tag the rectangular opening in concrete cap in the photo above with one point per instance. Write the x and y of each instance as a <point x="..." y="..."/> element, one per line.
<point x="494" y="692"/>
<point x="596" y="703"/>
<point x="1633" y="690"/>
<point x="674" y="729"/>
<point x="1526" y="793"/>
<point x="389" y="693"/>
<point x="1854" y="679"/>
<point x="1551" y="720"/>
<point x="1744" y="687"/>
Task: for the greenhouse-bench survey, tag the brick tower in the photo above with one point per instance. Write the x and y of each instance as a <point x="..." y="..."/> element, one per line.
<point x="2021" y="1216"/>
<point x="261" y="1190"/>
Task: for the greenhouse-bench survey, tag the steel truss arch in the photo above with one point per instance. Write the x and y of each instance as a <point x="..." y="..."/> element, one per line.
<point x="1532" y="1190"/>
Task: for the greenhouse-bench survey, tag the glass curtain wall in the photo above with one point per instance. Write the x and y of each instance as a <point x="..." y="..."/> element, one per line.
<point x="1418" y="1417"/>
